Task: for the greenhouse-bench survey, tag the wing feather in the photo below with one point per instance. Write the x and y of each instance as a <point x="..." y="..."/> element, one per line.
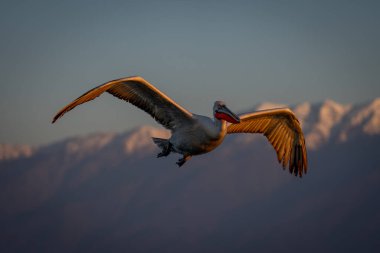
<point x="283" y="131"/>
<point x="143" y="95"/>
<point x="278" y="138"/>
<point x="288" y="150"/>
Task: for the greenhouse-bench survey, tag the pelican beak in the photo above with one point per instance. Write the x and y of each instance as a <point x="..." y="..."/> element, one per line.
<point x="225" y="113"/>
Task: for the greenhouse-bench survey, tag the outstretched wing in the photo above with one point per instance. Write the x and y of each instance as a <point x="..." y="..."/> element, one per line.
<point x="283" y="131"/>
<point x="140" y="93"/>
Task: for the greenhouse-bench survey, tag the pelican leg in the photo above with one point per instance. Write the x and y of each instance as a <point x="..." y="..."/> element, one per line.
<point x="183" y="160"/>
<point x="165" y="150"/>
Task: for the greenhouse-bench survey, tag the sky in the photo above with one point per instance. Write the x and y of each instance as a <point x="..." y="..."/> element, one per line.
<point x="243" y="52"/>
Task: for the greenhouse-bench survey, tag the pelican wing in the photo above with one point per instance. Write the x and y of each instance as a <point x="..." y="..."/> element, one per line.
<point x="140" y="93"/>
<point x="283" y="131"/>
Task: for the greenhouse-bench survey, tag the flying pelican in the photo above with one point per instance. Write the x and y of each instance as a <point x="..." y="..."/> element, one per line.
<point x="195" y="134"/>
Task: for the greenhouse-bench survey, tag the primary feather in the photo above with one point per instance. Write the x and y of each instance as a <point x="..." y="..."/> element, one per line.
<point x="283" y="131"/>
<point x="140" y="93"/>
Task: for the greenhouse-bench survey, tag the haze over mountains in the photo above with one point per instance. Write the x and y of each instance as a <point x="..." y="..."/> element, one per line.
<point x="108" y="191"/>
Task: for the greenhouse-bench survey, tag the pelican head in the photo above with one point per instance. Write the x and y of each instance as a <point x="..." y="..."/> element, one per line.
<point x="221" y="112"/>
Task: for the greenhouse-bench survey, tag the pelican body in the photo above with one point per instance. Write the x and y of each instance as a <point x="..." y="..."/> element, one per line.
<point x="201" y="136"/>
<point x="194" y="134"/>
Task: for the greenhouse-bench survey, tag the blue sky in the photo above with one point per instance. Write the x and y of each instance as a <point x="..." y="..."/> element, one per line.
<point x="244" y="52"/>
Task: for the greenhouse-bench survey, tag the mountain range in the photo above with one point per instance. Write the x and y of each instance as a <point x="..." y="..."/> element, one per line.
<point x="109" y="192"/>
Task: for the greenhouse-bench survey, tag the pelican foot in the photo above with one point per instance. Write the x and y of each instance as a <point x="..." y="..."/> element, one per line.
<point x="183" y="160"/>
<point x="165" y="150"/>
<point x="163" y="154"/>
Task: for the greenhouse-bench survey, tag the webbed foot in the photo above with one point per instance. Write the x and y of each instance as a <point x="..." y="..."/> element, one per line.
<point x="182" y="161"/>
<point x="163" y="154"/>
<point x="165" y="151"/>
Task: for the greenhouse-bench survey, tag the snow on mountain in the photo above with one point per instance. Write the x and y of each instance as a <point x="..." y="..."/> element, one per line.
<point x="141" y="139"/>
<point x="82" y="146"/>
<point x="365" y="119"/>
<point x="329" y="116"/>
<point x="269" y="105"/>
<point x="302" y="111"/>
<point x="8" y="151"/>
<point x="373" y="112"/>
<point x="138" y="140"/>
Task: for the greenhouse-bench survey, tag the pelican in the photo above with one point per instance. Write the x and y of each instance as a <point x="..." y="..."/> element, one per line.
<point x="193" y="134"/>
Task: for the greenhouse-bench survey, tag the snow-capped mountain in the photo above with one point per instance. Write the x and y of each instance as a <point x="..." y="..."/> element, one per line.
<point x="8" y="151"/>
<point x="109" y="192"/>
<point x="331" y="121"/>
<point x="321" y="123"/>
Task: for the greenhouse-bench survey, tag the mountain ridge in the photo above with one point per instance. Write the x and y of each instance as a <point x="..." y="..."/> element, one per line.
<point x="321" y="122"/>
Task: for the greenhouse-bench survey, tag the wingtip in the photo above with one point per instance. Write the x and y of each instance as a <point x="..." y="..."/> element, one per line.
<point x="56" y="117"/>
